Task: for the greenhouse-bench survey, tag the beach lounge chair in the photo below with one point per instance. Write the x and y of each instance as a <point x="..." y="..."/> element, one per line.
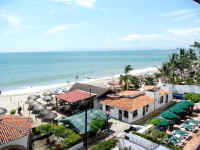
<point x="188" y="127"/>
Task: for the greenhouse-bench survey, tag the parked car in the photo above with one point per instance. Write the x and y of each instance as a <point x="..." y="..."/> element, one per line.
<point x="178" y="96"/>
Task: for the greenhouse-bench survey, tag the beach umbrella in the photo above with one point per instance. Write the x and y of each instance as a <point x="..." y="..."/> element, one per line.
<point x="30" y="101"/>
<point x="169" y="115"/>
<point x="33" y="97"/>
<point x="44" y="112"/>
<point x="50" y="116"/>
<point x="163" y="122"/>
<point x="33" y="103"/>
<point x="176" y="110"/>
<point x="47" y="98"/>
<point x="188" y="102"/>
<point x="37" y="95"/>
<point x="2" y="110"/>
<point x="183" y="106"/>
<point x="37" y="108"/>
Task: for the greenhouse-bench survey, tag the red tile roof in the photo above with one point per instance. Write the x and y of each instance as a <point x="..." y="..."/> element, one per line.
<point x="162" y="92"/>
<point x="13" y="127"/>
<point x="129" y="104"/>
<point x="75" y="96"/>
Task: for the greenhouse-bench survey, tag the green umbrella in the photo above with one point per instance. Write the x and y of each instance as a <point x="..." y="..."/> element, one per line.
<point x="176" y="110"/>
<point x="163" y="122"/>
<point x="183" y="106"/>
<point x="169" y="115"/>
<point x="188" y="102"/>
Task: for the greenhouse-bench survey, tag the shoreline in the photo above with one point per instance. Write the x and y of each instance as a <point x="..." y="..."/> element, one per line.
<point x="103" y="80"/>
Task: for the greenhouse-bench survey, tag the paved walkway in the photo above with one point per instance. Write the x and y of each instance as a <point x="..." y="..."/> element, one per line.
<point x="118" y="126"/>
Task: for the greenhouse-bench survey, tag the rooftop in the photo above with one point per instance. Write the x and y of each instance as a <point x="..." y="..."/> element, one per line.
<point x="75" y="96"/>
<point x="86" y="87"/>
<point x="129" y="104"/>
<point x="162" y="92"/>
<point x="13" y="127"/>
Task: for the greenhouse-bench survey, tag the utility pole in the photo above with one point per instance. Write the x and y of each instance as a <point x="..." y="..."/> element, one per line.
<point x="86" y="138"/>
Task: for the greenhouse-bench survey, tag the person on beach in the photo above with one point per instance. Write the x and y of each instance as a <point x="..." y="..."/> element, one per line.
<point x="0" y="92"/>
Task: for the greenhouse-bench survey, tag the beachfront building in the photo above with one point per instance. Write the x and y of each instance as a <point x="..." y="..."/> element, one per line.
<point x="162" y="97"/>
<point x="98" y="91"/>
<point x="128" y="106"/>
<point x="75" y="101"/>
<point x="131" y="106"/>
<point x="14" y="132"/>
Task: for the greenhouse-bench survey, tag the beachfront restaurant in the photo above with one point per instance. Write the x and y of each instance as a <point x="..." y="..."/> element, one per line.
<point x="74" y="101"/>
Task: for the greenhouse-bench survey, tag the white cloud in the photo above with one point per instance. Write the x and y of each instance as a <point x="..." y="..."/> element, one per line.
<point x="60" y="28"/>
<point x="83" y="3"/>
<point x="185" y="32"/>
<point x="184" y="14"/>
<point x="141" y="37"/>
<point x="86" y="3"/>
<point x="13" y="20"/>
<point x="66" y="2"/>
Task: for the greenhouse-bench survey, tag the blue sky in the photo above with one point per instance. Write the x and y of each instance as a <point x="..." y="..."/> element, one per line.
<point x="50" y="25"/>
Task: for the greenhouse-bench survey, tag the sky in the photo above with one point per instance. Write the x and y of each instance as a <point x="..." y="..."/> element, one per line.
<point x="54" y="25"/>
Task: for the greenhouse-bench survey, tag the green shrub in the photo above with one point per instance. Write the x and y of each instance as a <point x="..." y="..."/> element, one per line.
<point x="154" y="121"/>
<point x="189" y="81"/>
<point x="149" y="80"/>
<point x="71" y="140"/>
<point x="158" y="134"/>
<point x="193" y="97"/>
<point x="13" y="111"/>
<point x="96" y="124"/>
<point x="106" y="145"/>
<point x="155" y="140"/>
<point x="44" y="129"/>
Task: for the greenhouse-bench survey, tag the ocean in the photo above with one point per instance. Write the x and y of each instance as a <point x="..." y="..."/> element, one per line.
<point x="21" y="70"/>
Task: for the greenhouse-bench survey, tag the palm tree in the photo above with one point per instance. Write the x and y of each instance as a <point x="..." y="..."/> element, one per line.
<point x="127" y="69"/>
<point x="125" y="79"/>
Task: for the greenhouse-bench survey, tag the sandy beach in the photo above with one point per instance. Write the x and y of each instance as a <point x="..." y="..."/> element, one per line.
<point x="15" y="98"/>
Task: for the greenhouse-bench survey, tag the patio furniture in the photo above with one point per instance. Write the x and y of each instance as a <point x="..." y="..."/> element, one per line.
<point x="187" y="127"/>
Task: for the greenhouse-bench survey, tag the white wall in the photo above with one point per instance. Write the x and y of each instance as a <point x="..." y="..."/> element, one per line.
<point x="21" y="141"/>
<point x="182" y="88"/>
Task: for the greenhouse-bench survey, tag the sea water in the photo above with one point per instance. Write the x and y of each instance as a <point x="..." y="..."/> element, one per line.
<point x="21" y="70"/>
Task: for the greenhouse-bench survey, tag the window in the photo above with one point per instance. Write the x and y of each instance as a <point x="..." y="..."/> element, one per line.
<point x="147" y="108"/>
<point x="101" y="107"/>
<point x="167" y="98"/>
<point x="107" y="108"/>
<point x="135" y="113"/>
<point x="126" y="114"/>
<point x="161" y="99"/>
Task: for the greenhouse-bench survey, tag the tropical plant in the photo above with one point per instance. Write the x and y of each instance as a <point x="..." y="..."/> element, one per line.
<point x="13" y="111"/>
<point x="127" y="69"/>
<point x="45" y="129"/>
<point x="97" y="124"/>
<point x="149" y="80"/>
<point x="194" y="97"/>
<point x="125" y="79"/>
<point x="106" y="145"/>
<point x="135" y="81"/>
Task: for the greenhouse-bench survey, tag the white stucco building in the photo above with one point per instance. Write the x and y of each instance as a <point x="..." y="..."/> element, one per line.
<point x="131" y="106"/>
<point x="14" y="133"/>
